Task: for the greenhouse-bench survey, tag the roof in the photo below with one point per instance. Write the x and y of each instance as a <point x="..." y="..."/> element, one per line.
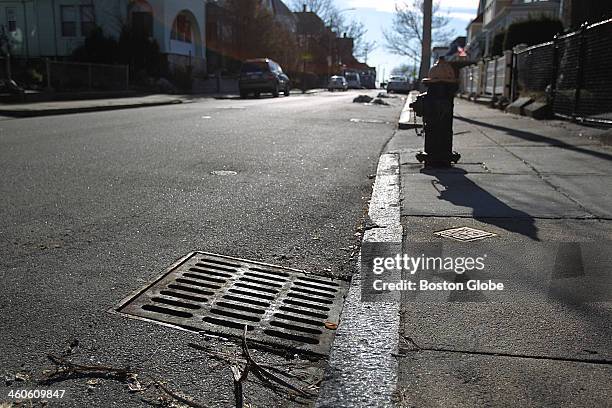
<point x="309" y="22"/>
<point x="281" y="8"/>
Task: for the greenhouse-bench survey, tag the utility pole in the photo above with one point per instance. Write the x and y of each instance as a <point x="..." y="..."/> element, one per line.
<point x="426" y="46"/>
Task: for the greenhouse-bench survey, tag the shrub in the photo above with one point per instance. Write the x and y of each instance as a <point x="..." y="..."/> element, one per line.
<point x="532" y="32"/>
<point x="498" y="43"/>
<point x="139" y="52"/>
<point x="97" y="48"/>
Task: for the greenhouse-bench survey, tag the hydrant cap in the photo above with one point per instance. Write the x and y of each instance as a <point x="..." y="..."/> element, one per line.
<point x="441" y="72"/>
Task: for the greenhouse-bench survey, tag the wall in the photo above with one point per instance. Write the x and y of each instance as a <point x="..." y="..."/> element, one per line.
<point x="43" y="37"/>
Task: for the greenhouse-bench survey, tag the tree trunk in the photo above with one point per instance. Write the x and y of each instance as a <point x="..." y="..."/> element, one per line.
<point x="426" y="47"/>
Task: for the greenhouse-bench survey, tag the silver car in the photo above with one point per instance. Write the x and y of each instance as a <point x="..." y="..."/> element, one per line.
<point x="398" y="84"/>
<point x="337" y="82"/>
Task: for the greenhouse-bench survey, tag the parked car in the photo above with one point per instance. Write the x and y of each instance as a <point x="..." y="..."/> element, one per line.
<point x="353" y="81"/>
<point x="398" y="84"/>
<point x="262" y="75"/>
<point x="337" y="82"/>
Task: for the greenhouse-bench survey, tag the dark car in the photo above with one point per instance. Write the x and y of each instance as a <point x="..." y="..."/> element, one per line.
<point x="262" y="75"/>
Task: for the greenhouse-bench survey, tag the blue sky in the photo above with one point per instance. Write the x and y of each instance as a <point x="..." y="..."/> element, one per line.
<point x="378" y="14"/>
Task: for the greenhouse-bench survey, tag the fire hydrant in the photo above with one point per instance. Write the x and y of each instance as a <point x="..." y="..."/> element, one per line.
<point x="436" y="108"/>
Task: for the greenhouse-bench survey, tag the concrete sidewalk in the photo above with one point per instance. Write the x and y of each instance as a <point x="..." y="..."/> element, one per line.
<point x="89" y="105"/>
<point x="22" y="110"/>
<point x="533" y="184"/>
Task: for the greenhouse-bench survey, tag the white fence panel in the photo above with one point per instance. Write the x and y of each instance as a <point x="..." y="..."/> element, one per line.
<point x="489" y="77"/>
<point x="500" y="81"/>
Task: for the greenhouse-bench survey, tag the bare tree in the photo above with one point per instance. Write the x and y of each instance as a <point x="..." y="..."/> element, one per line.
<point x="404" y="69"/>
<point x="406" y="35"/>
<point x="361" y="46"/>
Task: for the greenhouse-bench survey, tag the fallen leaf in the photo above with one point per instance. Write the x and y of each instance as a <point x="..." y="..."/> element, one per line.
<point x="331" y="325"/>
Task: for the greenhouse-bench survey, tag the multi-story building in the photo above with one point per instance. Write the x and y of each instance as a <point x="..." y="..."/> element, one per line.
<point x="498" y="15"/>
<point x="222" y="36"/>
<point x="316" y="42"/>
<point x="437" y="52"/>
<point x="475" y="37"/>
<point x="55" y="28"/>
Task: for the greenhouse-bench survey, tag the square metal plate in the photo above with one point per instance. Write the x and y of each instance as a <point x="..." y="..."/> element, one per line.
<point x="216" y="294"/>
<point x="465" y="234"/>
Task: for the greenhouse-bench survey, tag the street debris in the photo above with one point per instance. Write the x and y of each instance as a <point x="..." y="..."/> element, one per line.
<point x="331" y="325"/>
<point x="241" y="370"/>
<point x="363" y="99"/>
<point x="66" y="370"/>
<point x="385" y="95"/>
<point x="223" y="173"/>
<point x="379" y="101"/>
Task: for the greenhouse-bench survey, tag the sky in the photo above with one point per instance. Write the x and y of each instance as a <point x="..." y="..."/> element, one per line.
<point x="378" y="14"/>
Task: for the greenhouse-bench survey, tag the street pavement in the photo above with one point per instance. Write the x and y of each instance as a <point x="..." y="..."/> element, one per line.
<point x="94" y="205"/>
<point x="532" y="184"/>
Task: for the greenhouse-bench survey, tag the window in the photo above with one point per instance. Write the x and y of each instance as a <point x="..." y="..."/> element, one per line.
<point x="181" y="29"/>
<point x="11" y="19"/>
<point x="88" y="20"/>
<point x="69" y="19"/>
<point x="254" y="66"/>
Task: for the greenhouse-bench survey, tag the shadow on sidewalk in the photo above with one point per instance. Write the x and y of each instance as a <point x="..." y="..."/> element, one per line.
<point x="461" y="191"/>
<point x="534" y="137"/>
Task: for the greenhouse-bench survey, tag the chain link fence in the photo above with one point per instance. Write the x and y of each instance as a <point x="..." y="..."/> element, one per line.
<point x="533" y="71"/>
<point x="572" y="73"/>
<point x="594" y="89"/>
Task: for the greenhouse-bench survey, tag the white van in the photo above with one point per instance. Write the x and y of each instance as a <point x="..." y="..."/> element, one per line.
<point x="353" y="80"/>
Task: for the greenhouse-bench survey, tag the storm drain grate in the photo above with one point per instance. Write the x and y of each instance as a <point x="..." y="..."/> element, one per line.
<point x="465" y="234"/>
<point x="216" y="294"/>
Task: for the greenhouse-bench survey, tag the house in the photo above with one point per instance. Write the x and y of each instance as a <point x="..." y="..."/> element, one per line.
<point x="498" y="15"/>
<point x="437" y="52"/>
<point x="55" y="28"/>
<point x="316" y="41"/>
<point x="222" y="37"/>
<point x="475" y="41"/>
<point x="456" y="49"/>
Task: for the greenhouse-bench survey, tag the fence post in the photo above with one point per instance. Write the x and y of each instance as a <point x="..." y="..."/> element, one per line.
<point x="9" y="74"/>
<point x="508" y="61"/>
<point x="481" y="76"/>
<point x="494" y="79"/>
<point x="127" y="77"/>
<point x="90" y="77"/>
<point x="48" y="69"/>
<point x="555" y="71"/>
<point x="580" y="73"/>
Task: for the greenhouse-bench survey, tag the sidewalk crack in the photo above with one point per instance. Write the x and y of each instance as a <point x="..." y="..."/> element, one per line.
<point x="536" y="171"/>
<point x="415" y="348"/>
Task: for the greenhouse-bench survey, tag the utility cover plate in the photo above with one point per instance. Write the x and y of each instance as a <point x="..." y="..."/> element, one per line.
<point x="216" y="294"/>
<point x="465" y="234"/>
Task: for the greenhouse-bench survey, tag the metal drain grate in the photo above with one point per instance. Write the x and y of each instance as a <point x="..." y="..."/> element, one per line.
<point x="218" y="294"/>
<point x="465" y="234"/>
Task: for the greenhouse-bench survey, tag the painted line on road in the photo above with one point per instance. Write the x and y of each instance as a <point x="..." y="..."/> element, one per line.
<point x="363" y="366"/>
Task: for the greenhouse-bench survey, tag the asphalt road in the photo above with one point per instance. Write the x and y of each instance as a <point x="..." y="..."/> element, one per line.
<point x="92" y="206"/>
